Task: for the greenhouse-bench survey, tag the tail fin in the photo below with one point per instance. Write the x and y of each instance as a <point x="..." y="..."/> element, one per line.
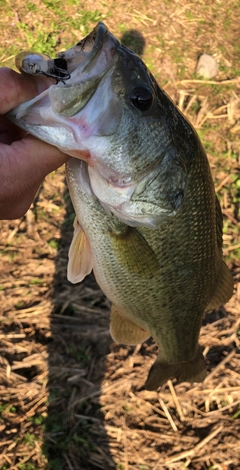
<point x="189" y="371"/>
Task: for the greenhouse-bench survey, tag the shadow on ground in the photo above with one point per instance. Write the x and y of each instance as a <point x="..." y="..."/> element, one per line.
<point x="74" y="431"/>
<point x="134" y="40"/>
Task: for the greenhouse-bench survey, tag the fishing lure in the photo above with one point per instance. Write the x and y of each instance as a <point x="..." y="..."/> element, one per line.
<point x="34" y="63"/>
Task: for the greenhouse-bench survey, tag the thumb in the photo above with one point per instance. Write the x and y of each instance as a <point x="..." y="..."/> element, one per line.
<point x="16" y="88"/>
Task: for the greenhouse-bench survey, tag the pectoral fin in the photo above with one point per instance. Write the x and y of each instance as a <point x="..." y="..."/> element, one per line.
<point x="124" y="330"/>
<point x="134" y="252"/>
<point x="80" y="258"/>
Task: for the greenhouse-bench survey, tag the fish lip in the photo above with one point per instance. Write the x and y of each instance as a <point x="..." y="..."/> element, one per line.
<point x="101" y="31"/>
<point x="78" y="57"/>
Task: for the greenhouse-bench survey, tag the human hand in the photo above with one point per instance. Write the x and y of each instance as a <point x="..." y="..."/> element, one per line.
<point x="24" y="160"/>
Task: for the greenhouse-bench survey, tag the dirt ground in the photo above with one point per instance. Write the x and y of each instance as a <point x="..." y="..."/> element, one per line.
<point x="70" y="398"/>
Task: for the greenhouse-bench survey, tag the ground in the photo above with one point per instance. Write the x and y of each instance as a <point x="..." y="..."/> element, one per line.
<point x="70" y="398"/>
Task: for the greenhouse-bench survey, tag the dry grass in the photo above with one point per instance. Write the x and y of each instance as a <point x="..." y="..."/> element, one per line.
<point x="69" y="397"/>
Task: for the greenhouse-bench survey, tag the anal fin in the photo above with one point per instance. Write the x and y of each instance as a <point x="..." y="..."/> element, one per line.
<point x="124" y="330"/>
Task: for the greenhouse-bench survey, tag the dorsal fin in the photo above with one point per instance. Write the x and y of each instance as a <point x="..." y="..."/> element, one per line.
<point x="219" y="224"/>
<point x="224" y="288"/>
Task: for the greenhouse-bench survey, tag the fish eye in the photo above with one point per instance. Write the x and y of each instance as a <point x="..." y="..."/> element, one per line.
<point x="141" y="98"/>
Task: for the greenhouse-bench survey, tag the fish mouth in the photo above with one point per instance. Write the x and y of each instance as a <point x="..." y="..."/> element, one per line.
<point x="58" y="115"/>
<point x="55" y="115"/>
<point x="86" y="63"/>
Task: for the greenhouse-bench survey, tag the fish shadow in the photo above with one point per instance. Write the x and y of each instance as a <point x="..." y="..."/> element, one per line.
<point x="134" y="40"/>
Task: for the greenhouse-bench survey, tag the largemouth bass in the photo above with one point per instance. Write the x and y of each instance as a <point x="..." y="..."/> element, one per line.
<point x="147" y="219"/>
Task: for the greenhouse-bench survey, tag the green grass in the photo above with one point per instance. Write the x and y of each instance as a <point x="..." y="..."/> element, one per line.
<point x="58" y="19"/>
<point x="19" y="305"/>
<point x="37" y="281"/>
<point x="80" y="353"/>
<point x="237" y="414"/>
<point x="29" y="439"/>
<point x="27" y="466"/>
<point x="53" y="243"/>
<point x="41" y="41"/>
<point x="6" y="406"/>
<point x="62" y="440"/>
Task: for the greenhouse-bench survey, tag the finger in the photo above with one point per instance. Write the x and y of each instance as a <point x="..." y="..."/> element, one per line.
<point x="24" y="165"/>
<point x="36" y="156"/>
<point x="16" y="88"/>
<point x="9" y="132"/>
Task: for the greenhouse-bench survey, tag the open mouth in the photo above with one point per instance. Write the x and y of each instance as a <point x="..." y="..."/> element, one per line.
<point x="87" y="63"/>
<point x="78" y="71"/>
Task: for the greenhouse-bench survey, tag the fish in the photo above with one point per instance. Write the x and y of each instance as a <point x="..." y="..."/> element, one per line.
<point x="148" y="222"/>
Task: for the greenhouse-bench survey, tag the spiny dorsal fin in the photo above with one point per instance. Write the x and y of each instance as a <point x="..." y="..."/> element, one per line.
<point x="224" y="288"/>
<point x="219" y="224"/>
